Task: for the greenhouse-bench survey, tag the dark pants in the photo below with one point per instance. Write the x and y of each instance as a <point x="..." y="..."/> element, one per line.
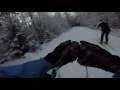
<point x="106" y="36"/>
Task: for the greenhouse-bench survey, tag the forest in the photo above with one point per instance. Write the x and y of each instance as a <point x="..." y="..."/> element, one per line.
<point x="22" y="32"/>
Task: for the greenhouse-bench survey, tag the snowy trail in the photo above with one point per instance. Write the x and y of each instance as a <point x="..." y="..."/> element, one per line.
<point x="73" y="70"/>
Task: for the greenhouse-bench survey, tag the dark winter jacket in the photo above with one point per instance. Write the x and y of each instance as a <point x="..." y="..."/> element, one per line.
<point x="104" y="26"/>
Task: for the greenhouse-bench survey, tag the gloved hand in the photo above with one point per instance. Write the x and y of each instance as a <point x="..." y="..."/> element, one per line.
<point x="94" y="56"/>
<point x="64" y="53"/>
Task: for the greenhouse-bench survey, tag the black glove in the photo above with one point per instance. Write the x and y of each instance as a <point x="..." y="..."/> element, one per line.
<point x="94" y="56"/>
<point x="64" y="53"/>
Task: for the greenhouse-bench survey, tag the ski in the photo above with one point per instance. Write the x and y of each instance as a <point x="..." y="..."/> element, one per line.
<point x="102" y="44"/>
<point x="106" y="45"/>
<point x="110" y="46"/>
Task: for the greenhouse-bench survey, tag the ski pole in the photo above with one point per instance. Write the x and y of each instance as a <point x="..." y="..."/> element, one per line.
<point x="52" y="72"/>
<point x="97" y="33"/>
<point x="87" y="75"/>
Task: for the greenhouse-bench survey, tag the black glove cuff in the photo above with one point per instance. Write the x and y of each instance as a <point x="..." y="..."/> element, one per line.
<point x="51" y="58"/>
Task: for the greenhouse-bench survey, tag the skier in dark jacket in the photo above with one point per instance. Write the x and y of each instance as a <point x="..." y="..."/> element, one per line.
<point x="87" y="54"/>
<point x="105" y="31"/>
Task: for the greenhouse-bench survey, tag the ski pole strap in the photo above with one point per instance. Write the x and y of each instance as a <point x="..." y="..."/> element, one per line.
<point x="53" y="72"/>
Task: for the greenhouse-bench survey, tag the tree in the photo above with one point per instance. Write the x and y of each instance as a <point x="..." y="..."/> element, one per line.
<point x="73" y="20"/>
<point x="79" y="18"/>
<point x="26" y="31"/>
<point x="104" y="17"/>
<point x="35" y="28"/>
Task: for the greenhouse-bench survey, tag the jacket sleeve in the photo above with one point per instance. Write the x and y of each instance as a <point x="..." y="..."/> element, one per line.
<point x="98" y="25"/>
<point x="32" y="69"/>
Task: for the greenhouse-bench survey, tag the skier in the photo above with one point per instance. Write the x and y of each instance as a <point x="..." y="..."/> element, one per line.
<point x="105" y="30"/>
<point x="87" y="54"/>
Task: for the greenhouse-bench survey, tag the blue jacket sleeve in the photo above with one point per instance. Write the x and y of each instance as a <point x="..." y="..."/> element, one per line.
<point x="32" y="69"/>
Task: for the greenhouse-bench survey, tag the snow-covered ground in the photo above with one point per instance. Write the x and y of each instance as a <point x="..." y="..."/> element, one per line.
<point x="115" y="32"/>
<point x="73" y="70"/>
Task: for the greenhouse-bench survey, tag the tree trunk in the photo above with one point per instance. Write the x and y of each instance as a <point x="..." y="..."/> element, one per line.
<point x="35" y="27"/>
